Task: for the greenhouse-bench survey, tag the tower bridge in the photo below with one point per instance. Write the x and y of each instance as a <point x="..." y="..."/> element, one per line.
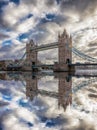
<point x="64" y="46"/>
<point x="65" y="50"/>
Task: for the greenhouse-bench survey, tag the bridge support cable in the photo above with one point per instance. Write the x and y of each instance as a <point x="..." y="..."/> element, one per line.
<point x="82" y="55"/>
<point x="20" y="61"/>
<point x="22" y="57"/>
<point x="77" y="54"/>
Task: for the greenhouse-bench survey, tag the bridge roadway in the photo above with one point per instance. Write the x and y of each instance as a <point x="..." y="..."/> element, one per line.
<point x="76" y="64"/>
<point x="83" y="64"/>
<point x="50" y="66"/>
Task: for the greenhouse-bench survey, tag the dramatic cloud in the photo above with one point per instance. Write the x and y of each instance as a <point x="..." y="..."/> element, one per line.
<point x="11" y="52"/>
<point x="3" y="36"/>
<point x="83" y="8"/>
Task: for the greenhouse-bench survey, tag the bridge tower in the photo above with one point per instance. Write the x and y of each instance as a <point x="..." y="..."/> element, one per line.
<point x="64" y="52"/>
<point x="31" y="56"/>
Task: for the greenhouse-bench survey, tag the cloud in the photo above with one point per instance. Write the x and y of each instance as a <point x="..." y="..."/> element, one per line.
<point x="13" y="51"/>
<point x="83" y="125"/>
<point x="83" y="8"/>
<point x="12" y="14"/>
<point x="26" y="25"/>
<point x="3" y="36"/>
<point x="30" y="2"/>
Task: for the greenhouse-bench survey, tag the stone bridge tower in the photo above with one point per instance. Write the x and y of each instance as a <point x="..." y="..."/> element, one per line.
<point x="31" y="56"/>
<point x="64" y="52"/>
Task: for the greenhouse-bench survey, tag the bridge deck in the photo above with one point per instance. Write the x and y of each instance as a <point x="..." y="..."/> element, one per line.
<point x="77" y="64"/>
<point x="43" y="65"/>
<point x="83" y="64"/>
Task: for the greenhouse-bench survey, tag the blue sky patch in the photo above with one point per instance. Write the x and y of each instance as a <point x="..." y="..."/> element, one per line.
<point x="44" y="119"/>
<point x="1" y="126"/>
<point x="29" y="124"/>
<point x="7" y="42"/>
<point x="43" y="20"/>
<point x="2" y="4"/>
<point x="25" y="18"/>
<point x="22" y="103"/>
<point x="58" y="1"/>
<point x="23" y="36"/>
<point x="50" y="16"/>
<point x="50" y="123"/>
<point x="8" y="98"/>
<point x="26" y="122"/>
<point x="29" y="15"/>
<point x="47" y="18"/>
<point x="15" y="1"/>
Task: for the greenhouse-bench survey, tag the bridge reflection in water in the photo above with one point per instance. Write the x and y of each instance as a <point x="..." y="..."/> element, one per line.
<point x="64" y="93"/>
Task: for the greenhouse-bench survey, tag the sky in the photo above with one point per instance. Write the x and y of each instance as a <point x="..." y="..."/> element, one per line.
<point x="42" y="21"/>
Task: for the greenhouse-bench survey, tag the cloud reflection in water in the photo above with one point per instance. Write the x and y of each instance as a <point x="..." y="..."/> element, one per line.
<point x="42" y="112"/>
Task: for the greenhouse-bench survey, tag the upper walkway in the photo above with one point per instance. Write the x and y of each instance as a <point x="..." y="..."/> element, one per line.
<point x="45" y="47"/>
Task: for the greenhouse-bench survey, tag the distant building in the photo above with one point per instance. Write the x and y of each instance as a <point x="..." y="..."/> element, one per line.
<point x="4" y="64"/>
<point x="7" y="62"/>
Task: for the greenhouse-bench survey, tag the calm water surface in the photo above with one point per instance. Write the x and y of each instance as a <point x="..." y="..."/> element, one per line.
<point x="47" y="102"/>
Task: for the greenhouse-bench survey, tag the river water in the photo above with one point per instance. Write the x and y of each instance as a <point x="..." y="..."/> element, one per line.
<point x="47" y="101"/>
